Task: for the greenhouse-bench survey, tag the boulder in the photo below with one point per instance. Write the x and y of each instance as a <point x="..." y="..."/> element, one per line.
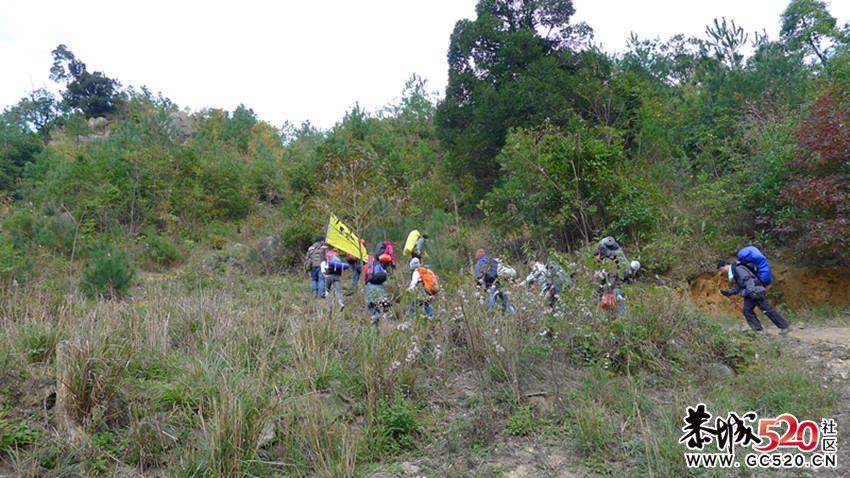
<point x="179" y="128"/>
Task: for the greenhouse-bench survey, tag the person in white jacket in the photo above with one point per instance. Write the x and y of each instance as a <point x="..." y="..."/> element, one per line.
<point x="536" y="276"/>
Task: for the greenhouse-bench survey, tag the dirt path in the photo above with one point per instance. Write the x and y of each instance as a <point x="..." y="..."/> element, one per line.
<point x="820" y="335"/>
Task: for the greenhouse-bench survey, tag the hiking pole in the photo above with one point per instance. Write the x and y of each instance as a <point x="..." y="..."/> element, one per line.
<point x="741" y="309"/>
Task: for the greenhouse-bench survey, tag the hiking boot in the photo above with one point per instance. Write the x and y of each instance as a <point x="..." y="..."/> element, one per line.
<point x="376" y="319"/>
<point x="785" y="330"/>
<point x="341" y="306"/>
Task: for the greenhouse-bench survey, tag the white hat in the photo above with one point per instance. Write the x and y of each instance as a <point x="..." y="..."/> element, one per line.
<point x="414" y="263"/>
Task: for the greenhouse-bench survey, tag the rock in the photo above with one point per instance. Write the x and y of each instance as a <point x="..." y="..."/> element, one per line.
<point x="99" y="124"/>
<point x="234" y="262"/>
<point x="267" y="250"/>
<point x="720" y="370"/>
<point x="839" y="368"/>
<point x="409" y="468"/>
<point x="179" y="128"/>
<point x="239" y="251"/>
<point x="211" y="262"/>
<point x="67" y="218"/>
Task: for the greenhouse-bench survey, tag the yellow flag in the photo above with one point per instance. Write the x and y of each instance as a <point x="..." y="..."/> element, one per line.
<point x="341" y="237"/>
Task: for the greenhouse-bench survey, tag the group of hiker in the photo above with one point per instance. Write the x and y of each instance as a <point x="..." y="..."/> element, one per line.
<point x="325" y="267"/>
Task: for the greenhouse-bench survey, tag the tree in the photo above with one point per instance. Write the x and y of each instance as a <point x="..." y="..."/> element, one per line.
<point x="19" y="146"/>
<point x="94" y="94"/>
<point x="808" y="27"/>
<point x="357" y="189"/>
<point x="726" y="43"/>
<point x="513" y="66"/>
<point x="563" y="187"/>
<point x="816" y="219"/>
<point x="39" y="109"/>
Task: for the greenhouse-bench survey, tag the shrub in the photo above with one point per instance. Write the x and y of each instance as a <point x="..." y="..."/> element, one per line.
<point x="160" y="250"/>
<point x="397" y="424"/>
<point x="108" y="273"/>
<point x="521" y="422"/>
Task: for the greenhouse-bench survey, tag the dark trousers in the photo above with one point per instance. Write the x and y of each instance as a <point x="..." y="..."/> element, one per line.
<point x="771" y="313"/>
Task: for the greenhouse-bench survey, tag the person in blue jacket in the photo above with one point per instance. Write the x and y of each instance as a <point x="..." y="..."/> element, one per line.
<point x="754" y="294"/>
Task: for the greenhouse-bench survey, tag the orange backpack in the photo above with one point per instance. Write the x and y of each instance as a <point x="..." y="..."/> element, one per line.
<point x="429" y="280"/>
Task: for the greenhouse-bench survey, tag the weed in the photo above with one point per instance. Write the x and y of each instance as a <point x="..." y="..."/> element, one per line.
<point x="593" y="431"/>
<point x="160" y="251"/>
<point x="38" y="342"/>
<point x="521" y="421"/>
<point x="396" y="425"/>
<point x="14" y="436"/>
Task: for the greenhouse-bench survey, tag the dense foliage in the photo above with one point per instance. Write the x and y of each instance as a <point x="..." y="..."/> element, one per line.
<point x="541" y="136"/>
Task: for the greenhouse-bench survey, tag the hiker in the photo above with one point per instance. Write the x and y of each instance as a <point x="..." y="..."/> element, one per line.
<point x="332" y="268"/>
<point x="316" y="254"/>
<point x="536" y="276"/>
<point x="608" y="249"/>
<point x="754" y="294"/>
<point x="486" y="273"/>
<point x="415" y="280"/>
<point x="377" y="299"/>
<point x="419" y="247"/>
<point x="556" y="279"/>
<point x="610" y="281"/>
<point x="386" y="256"/>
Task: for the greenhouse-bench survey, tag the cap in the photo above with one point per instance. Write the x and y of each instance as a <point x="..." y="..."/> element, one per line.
<point x="414" y="263"/>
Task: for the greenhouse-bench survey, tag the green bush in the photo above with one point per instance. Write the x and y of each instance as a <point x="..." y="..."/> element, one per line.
<point x="521" y="421"/>
<point x="12" y="263"/>
<point x="397" y="424"/>
<point x="161" y="251"/>
<point x="108" y="273"/>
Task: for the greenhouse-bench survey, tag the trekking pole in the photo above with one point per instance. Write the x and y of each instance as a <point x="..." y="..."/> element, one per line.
<point x="741" y="309"/>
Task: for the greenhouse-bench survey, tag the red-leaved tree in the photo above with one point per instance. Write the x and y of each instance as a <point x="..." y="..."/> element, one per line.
<point x="816" y="220"/>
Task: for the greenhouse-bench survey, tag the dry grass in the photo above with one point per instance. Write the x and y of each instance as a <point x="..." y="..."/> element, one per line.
<point x="232" y="375"/>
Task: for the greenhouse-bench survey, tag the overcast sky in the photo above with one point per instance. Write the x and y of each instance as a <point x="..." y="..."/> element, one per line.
<point x="295" y="60"/>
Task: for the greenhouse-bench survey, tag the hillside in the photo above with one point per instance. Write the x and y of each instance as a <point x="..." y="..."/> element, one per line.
<point x="156" y="318"/>
<point x="220" y="372"/>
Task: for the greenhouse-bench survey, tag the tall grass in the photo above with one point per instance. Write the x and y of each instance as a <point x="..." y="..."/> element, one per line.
<point x="199" y="374"/>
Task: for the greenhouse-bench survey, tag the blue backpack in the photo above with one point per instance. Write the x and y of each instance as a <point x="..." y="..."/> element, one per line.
<point x="754" y="260"/>
<point x="379" y="275"/>
<point x="375" y="273"/>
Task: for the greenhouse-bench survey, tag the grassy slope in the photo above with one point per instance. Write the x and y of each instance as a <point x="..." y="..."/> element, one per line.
<point x="218" y="373"/>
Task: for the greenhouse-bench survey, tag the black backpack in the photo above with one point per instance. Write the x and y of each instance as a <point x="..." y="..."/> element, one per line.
<point x="380" y="249"/>
<point x="752" y="267"/>
<point x="492" y="271"/>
